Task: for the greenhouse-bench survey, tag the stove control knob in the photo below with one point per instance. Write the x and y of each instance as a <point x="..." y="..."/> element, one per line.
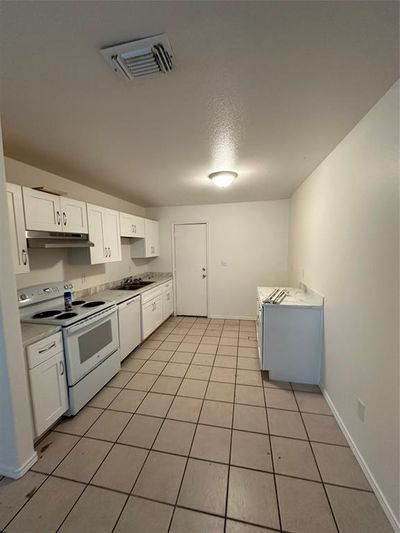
<point x="70" y="286"/>
<point x="23" y="297"/>
<point x="65" y="286"/>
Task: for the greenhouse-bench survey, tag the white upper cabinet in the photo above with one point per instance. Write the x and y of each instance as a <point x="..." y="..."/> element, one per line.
<point x="112" y="235"/>
<point x="149" y="246"/>
<point x="17" y="228"/>
<point x="49" y="212"/>
<point x="104" y="233"/>
<point x="74" y="217"/>
<point x="131" y="226"/>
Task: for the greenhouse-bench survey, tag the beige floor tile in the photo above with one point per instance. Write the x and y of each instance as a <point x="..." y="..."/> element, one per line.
<point x="153" y="367"/>
<point x="338" y="465"/>
<point x="167" y="385"/>
<point x="206" y="348"/>
<point x="224" y="375"/>
<point x="249" y="395"/>
<point x="223" y="392"/>
<point x="323" y="428"/>
<point x="14" y="494"/>
<point x="286" y="424"/>
<point x="193" y="339"/>
<point x="121" y="379"/>
<point x="96" y="510"/>
<point x="193" y="388"/>
<point x="48" y="507"/>
<point x="280" y="399"/>
<point x="247" y="343"/>
<point x="177" y="370"/>
<point x="160" y="477"/>
<point x="175" y="437"/>
<point x="151" y="344"/>
<point x="142" y="382"/>
<point x="239" y="527"/>
<point x="198" y="372"/>
<point x="127" y="400"/>
<point x="81" y="422"/>
<point x="252" y="498"/>
<point x="187" y="347"/>
<point x="109" y="425"/>
<point x="182" y="357"/>
<point x="204" y="487"/>
<point x="159" y="335"/>
<point x="310" y="402"/>
<point x="294" y="458"/>
<point x="229" y="333"/>
<point x="357" y="512"/>
<point x="203" y="359"/>
<point x="249" y="377"/>
<point x="248" y="363"/>
<point x="130" y="364"/>
<point x="162" y="355"/>
<point x="251" y="450"/>
<point x="52" y="450"/>
<point x="155" y="404"/>
<point x="141" y="431"/>
<point x="83" y="460"/>
<point x="228" y="341"/>
<point x="142" y="353"/>
<point x="120" y="468"/>
<point x="250" y="418"/>
<point x="210" y="339"/>
<point x="223" y="349"/>
<point x="169" y="345"/>
<point x="185" y="409"/>
<point x="211" y="443"/>
<point x="304" y="506"/>
<point x="216" y="414"/>
<point x="246" y="351"/>
<point x="275" y="384"/>
<point x="144" y="516"/>
<point x="186" y="521"/>
<point x="176" y="337"/>
<point x="225" y="361"/>
<point x="104" y="397"/>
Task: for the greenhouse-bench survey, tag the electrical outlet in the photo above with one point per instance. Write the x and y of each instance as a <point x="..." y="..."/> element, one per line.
<point x="361" y="409"/>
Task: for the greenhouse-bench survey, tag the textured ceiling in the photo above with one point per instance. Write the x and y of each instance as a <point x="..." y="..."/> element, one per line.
<point x="267" y="89"/>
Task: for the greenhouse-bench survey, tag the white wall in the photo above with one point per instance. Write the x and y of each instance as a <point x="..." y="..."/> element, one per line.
<point x="344" y="243"/>
<point x="52" y="265"/>
<point x="250" y="237"/>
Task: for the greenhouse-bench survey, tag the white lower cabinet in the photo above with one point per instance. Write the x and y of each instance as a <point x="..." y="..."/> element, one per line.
<point x="168" y="300"/>
<point x="152" y="311"/>
<point x="47" y="382"/>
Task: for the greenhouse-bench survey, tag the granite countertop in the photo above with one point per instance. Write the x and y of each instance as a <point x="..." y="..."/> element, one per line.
<point x="35" y="332"/>
<point x="119" y="296"/>
<point x="296" y="298"/>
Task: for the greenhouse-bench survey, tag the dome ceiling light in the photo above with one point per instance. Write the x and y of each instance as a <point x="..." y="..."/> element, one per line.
<point x="223" y="178"/>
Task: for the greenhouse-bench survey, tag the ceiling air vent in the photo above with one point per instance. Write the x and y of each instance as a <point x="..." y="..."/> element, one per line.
<point x="141" y="57"/>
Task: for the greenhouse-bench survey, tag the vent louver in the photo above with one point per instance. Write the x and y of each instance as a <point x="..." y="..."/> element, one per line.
<point x="141" y="57"/>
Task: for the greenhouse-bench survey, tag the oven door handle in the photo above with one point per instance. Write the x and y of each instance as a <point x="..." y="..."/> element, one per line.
<point x="88" y="321"/>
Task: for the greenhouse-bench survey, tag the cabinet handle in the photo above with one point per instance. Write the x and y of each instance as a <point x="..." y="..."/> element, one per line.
<point x="64" y="218"/>
<point x="134" y="228"/>
<point x="167" y="296"/>
<point x="62" y="368"/>
<point x="109" y="252"/>
<point x="24" y="256"/>
<point x="105" y="251"/>
<point x="48" y="347"/>
<point x="58" y="218"/>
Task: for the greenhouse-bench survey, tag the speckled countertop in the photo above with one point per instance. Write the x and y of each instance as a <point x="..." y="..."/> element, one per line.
<point x="35" y="332"/>
<point x="119" y="296"/>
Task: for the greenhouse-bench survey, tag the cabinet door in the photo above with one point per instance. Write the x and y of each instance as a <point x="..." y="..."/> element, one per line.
<point x="112" y="235"/>
<point x="131" y="226"/>
<point x="168" y="303"/>
<point x="74" y="216"/>
<point x="151" y="238"/>
<point x="152" y="316"/>
<point x="42" y="211"/>
<point x="17" y="228"/>
<point x="49" y="392"/>
<point x="138" y="227"/>
<point x="96" y="220"/>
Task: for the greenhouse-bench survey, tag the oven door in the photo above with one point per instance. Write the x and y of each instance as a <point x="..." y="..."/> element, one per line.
<point x="89" y="342"/>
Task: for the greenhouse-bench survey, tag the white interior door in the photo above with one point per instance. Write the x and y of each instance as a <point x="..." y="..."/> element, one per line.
<point x="190" y="242"/>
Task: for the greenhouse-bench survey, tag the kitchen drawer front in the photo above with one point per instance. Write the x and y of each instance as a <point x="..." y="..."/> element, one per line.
<point x="152" y="316"/>
<point x="44" y="349"/>
<point x="166" y="287"/>
<point x="151" y="294"/>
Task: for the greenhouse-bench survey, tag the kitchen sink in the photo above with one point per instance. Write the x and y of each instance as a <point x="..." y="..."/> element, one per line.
<point x="134" y="285"/>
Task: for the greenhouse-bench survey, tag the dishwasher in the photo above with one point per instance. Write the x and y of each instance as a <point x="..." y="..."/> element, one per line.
<point x="129" y="326"/>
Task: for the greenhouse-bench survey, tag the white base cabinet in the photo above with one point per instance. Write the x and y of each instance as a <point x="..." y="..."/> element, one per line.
<point x="47" y="382"/>
<point x="168" y="300"/>
<point x="157" y="306"/>
<point x="16" y="218"/>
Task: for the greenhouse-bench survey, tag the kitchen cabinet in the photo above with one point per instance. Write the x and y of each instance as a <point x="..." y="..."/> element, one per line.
<point x="168" y="300"/>
<point x="131" y="226"/>
<point x="152" y="311"/>
<point x="149" y="246"/>
<point x="112" y="235"/>
<point x="129" y="326"/>
<point x="49" y="212"/>
<point x="47" y="380"/>
<point x="17" y="228"/>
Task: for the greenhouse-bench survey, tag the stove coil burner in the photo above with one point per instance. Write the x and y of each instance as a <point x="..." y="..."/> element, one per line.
<point x="64" y="316"/>
<point x="92" y="304"/>
<point x="78" y="302"/>
<point x="46" y="314"/>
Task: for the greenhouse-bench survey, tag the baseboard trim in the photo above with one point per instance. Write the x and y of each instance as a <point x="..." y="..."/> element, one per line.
<point x="233" y="317"/>
<point x="16" y="473"/>
<point x="394" y="522"/>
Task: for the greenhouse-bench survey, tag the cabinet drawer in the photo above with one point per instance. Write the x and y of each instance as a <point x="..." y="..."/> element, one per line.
<point x="167" y="286"/>
<point x="45" y="349"/>
<point x="151" y="294"/>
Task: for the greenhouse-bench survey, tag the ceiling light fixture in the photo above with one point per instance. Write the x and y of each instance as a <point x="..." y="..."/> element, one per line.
<point x="223" y="178"/>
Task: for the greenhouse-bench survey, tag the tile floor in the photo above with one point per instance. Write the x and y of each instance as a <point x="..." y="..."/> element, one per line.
<point x="189" y="437"/>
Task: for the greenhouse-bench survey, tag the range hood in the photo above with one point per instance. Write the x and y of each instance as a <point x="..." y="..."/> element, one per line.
<point x="52" y="239"/>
